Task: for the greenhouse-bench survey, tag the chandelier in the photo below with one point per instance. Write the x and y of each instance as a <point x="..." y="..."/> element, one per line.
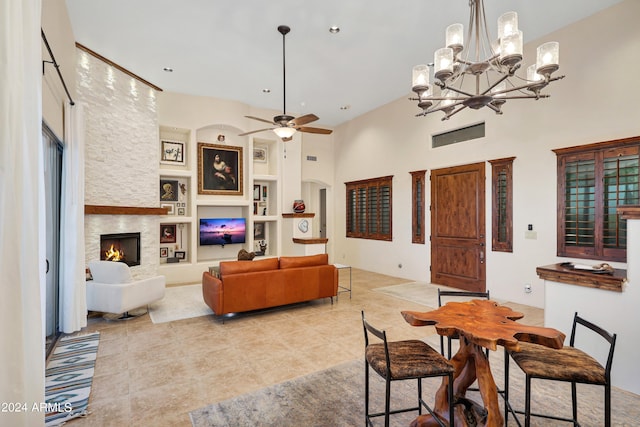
<point x="493" y="79"/>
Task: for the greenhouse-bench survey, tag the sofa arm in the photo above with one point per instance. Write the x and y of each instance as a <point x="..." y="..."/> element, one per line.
<point x="212" y="292"/>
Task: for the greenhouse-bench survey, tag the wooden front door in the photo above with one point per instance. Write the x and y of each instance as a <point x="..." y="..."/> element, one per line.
<point x="458" y="227"/>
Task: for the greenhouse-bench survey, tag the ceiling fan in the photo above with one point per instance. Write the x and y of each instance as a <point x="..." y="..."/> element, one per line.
<point x="285" y="125"/>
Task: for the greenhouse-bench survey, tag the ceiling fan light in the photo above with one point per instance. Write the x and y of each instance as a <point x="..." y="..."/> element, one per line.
<point x="284" y="132"/>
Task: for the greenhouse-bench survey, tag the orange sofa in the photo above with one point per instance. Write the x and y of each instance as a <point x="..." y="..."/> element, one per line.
<point x="252" y="285"/>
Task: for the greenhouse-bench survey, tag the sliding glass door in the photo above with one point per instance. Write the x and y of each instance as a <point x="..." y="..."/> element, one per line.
<point x="52" y="148"/>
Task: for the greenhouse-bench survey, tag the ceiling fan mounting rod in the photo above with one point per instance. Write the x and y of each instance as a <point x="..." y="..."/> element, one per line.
<point x="284" y="30"/>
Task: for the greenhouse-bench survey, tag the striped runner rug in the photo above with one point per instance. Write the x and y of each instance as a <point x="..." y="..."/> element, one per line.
<point x="68" y="378"/>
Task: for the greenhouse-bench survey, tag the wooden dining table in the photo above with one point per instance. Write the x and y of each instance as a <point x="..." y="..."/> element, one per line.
<point x="479" y="324"/>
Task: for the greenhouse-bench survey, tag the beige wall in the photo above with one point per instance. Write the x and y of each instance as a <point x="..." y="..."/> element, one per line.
<point x="597" y="101"/>
<point x="57" y="28"/>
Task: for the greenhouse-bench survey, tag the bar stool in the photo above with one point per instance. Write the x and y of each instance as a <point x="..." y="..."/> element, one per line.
<point x="568" y="364"/>
<point x="403" y="360"/>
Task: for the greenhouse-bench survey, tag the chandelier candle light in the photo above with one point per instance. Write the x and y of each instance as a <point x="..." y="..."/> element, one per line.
<point x="503" y="58"/>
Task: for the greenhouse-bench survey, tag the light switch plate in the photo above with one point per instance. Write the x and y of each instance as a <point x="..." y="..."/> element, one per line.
<point x="533" y="235"/>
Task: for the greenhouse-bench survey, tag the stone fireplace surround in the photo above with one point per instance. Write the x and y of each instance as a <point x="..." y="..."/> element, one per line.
<point x="146" y="225"/>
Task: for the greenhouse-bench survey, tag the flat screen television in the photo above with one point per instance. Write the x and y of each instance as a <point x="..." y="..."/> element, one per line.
<point x="222" y="231"/>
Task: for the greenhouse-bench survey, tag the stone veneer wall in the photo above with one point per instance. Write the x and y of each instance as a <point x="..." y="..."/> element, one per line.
<point x="121" y="156"/>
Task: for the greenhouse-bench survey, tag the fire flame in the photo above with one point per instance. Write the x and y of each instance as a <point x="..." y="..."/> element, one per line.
<point x="114" y="254"/>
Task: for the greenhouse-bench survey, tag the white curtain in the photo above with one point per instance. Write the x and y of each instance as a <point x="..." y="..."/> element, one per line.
<point x="22" y="212"/>
<point x="73" y="301"/>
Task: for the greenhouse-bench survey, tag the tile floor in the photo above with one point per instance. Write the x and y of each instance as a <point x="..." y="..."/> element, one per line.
<point x="154" y="374"/>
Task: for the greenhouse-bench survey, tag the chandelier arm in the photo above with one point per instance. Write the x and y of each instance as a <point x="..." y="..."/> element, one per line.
<point x="526" y="96"/>
<point x="496" y="83"/>
<point x="448" y="115"/>
<point x="460" y="91"/>
<point x="486" y="32"/>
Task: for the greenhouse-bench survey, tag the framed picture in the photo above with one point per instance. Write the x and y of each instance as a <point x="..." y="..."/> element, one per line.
<point x="260" y="154"/>
<point x="167" y="233"/>
<point x="168" y="190"/>
<point x="219" y="169"/>
<point x="172" y="153"/>
<point x="180" y="254"/>
<point x="168" y="206"/>
<point x="164" y="252"/>
<point x="180" y="211"/>
<point x="264" y="192"/>
<point x="256" y="192"/>
<point x="258" y="231"/>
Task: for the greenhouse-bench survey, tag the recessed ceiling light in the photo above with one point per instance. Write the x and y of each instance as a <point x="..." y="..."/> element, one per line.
<point x="334" y="29"/>
<point x="168" y="69"/>
<point x="266" y="90"/>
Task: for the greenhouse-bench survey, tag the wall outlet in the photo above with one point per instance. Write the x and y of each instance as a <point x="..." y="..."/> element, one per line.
<point x="527" y="288"/>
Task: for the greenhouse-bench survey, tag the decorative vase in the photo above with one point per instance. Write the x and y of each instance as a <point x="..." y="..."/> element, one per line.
<point x="298" y="206"/>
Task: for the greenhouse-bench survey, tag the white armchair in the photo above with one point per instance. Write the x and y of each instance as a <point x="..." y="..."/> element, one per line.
<point x="114" y="290"/>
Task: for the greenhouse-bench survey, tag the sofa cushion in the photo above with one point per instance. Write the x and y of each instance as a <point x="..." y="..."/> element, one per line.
<point x="303" y="261"/>
<point x="110" y="272"/>
<point x="236" y="267"/>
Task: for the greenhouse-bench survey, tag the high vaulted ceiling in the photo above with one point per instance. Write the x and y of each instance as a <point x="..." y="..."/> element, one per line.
<point x="232" y="50"/>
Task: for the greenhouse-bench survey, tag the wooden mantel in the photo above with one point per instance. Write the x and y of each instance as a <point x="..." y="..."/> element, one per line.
<point x="629" y="211"/>
<point x="123" y="210"/>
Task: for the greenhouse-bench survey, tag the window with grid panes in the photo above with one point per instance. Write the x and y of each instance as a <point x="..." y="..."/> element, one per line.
<point x="593" y="181"/>
<point x="369" y="208"/>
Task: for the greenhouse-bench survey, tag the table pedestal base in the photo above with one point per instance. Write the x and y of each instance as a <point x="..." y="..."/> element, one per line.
<point x="470" y="363"/>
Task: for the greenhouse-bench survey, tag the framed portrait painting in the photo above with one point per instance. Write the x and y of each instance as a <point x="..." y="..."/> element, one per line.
<point x="172" y="152"/>
<point x="167" y="233"/>
<point x="168" y="190"/>
<point x="219" y="169"/>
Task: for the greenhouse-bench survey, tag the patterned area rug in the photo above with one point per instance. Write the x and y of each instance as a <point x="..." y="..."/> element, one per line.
<point x="179" y="302"/>
<point x="332" y="397"/>
<point x="335" y="397"/>
<point x="69" y="375"/>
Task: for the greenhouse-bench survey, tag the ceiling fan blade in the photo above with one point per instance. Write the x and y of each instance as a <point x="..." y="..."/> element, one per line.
<point x="254" y="131"/>
<point x="308" y="129"/>
<point x="260" y="120"/>
<point x="303" y="120"/>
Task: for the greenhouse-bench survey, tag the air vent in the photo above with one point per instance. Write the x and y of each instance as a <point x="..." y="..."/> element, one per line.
<point x="462" y="134"/>
<point x="312" y="158"/>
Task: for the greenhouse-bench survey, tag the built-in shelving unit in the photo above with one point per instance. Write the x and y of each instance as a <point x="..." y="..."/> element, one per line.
<point x="260" y="201"/>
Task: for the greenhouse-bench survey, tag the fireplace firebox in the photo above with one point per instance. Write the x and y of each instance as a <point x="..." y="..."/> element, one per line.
<point x="121" y="247"/>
